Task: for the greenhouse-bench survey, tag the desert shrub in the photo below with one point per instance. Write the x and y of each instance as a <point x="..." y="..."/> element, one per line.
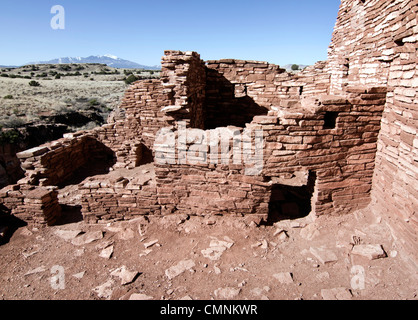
<point x="10" y="136"/>
<point x="9" y="96"/>
<point x="13" y="122"/>
<point x="5" y="75"/>
<point x="34" y="83"/>
<point x="295" y="67"/>
<point x="131" y="79"/>
<point x="94" y="102"/>
<point x="65" y="68"/>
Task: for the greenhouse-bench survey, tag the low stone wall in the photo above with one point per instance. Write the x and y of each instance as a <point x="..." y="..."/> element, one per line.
<point x="120" y="195"/>
<point x="54" y="163"/>
<point x="37" y="206"/>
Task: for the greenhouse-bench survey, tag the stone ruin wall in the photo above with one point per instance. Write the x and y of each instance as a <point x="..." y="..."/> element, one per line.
<point x="375" y="42"/>
<point x="371" y="70"/>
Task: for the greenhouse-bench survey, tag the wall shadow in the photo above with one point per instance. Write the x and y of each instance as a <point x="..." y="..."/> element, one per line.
<point x="9" y="223"/>
<point x="98" y="160"/>
<point x="69" y="214"/>
<point x="223" y="108"/>
<point x="291" y="202"/>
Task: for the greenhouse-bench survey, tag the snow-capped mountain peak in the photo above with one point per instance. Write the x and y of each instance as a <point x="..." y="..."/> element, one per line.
<point x="108" y="59"/>
<point x="111" y="56"/>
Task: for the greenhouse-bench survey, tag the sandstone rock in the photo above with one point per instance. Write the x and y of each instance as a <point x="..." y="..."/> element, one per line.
<point x="370" y="251"/>
<point x="36" y="270"/>
<point x="105" y="290"/>
<point x="106" y="253"/>
<point x="216" y="269"/>
<point x="125" y="275"/>
<point x="310" y="232"/>
<point x="227" y="293"/>
<point x="79" y="275"/>
<point x="217" y="248"/>
<point x="150" y="243"/>
<point x="126" y="234"/>
<point x="67" y="234"/>
<point x="324" y="255"/>
<point x="140" y="296"/>
<point x="87" y="238"/>
<point x="284" y="277"/>
<point x="32" y="152"/>
<point x="3" y="231"/>
<point x="145" y="252"/>
<point x="179" y="268"/>
<point x="336" y="294"/>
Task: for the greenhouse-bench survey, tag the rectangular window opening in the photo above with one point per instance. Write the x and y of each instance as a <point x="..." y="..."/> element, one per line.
<point x="330" y="120"/>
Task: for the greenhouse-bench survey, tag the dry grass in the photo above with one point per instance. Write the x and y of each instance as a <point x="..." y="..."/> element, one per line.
<point x="21" y="103"/>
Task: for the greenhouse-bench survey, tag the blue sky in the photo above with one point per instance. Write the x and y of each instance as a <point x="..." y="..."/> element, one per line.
<point x="277" y="31"/>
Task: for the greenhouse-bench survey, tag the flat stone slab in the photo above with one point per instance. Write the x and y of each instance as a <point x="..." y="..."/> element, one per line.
<point x="140" y="296"/>
<point x="284" y="277"/>
<point x="67" y="234"/>
<point x="323" y="255"/>
<point x="87" y="238"/>
<point x="32" y="152"/>
<point x="125" y="275"/>
<point x="179" y="268"/>
<point x="370" y="251"/>
<point x="336" y="294"/>
<point x="227" y="293"/>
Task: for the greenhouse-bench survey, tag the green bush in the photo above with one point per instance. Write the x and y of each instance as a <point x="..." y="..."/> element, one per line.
<point x="11" y="136"/>
<point x="9" y="96"/>
<point x="131" y="79"/>
<point x="34" y="83"/>
<point x="295" y="67"/>
<point x="94" y="102"/>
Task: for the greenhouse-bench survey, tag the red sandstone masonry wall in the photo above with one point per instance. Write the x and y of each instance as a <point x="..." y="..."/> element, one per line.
<point x="238" y="90"/>
<point x="295" y="142"/>
<point x="376" y="42"/>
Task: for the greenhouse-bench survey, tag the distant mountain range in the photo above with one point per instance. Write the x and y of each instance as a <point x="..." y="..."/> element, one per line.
<point x="110" y="60"/>
<point x="114" y="62"/>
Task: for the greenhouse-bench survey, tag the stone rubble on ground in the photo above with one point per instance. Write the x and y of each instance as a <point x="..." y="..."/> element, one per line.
<point x="323" y="254"/>
<point x="179" y="268"/>
<point x="370" y="251"/>
<point x="227" y="293"/>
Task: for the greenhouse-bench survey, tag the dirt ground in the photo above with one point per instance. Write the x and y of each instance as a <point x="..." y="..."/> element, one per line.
<point x="202" y="258"/>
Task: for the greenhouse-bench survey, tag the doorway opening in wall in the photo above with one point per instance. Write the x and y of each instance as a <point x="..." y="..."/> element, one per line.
<point x="143" y="155"/>
<point x="291" y="202"/>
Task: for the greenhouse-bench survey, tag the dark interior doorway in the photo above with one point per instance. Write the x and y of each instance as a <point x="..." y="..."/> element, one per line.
<point x="290" y="202"/>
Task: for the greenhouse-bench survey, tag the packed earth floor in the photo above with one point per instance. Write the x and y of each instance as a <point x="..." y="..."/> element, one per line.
<point x="202" y="258"/>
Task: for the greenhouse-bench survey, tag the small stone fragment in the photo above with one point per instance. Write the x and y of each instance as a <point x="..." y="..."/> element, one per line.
<point x="125" y="275"/>
<point x="150" y="243"/>
<point x="179" y="268"/>
<point x="227" y="293"/>
<point x="87" y="238"/>
<point x="336" y="294"/>
<point x="370" y="251"/>
<point x="323" y="255"/>
<point x="140" y="296"/>
<point x="284" y="277"/>
<point x="106" y="253"/>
